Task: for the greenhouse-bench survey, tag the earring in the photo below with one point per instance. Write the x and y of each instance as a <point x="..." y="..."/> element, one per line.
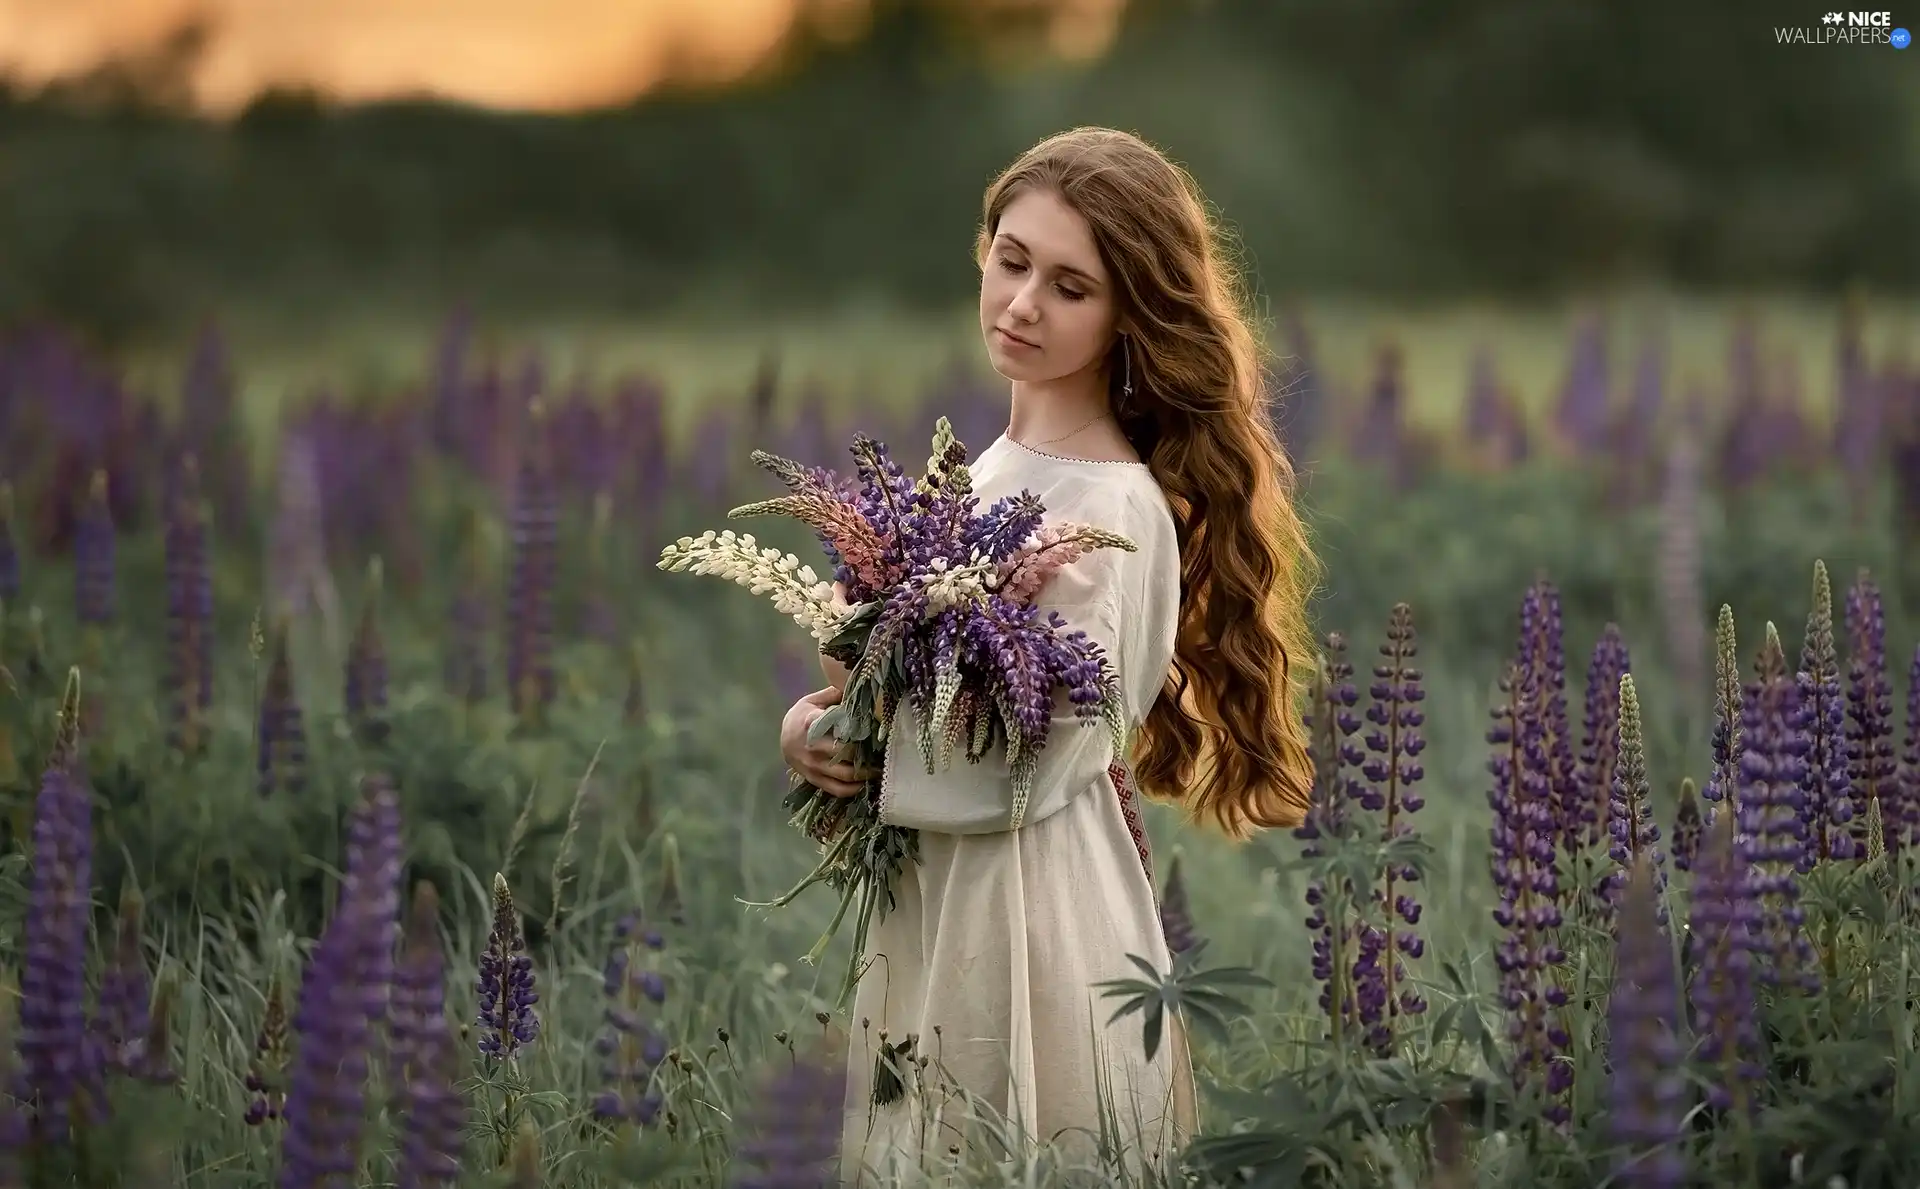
<point x="1126" y="369"/>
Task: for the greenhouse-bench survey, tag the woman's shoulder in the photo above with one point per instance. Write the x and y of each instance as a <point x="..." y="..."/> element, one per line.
<point x="1142" y="503"/>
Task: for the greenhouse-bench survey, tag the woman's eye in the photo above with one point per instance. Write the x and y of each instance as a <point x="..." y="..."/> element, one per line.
<point x="1070" y="294"/>
<point x="1012" y="266"/>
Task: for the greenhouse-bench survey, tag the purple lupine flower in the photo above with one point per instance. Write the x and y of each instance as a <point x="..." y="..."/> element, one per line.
<point x="531" y="577"/>
<point x="326" y="1086"/>
<point x="1724" y="915"/>
<point x="1392" y="769"/>
<point x="1005" y="526"/>
<point x="708" y="468"/>
<point x="1750" y="448"/>
<point x="1686" y="827"/>
<point x="9" y="548"/>
<point x="189" y="582"/>
<point x="466" y="663"/>
<point x="1590" y="824"/>
<point x="1380" y="433"/>
<point x="792" y="1132"/>
<point x="1635" y="839"/>
<point x="1528" y="955"/>
<point x="1586" y="827"/>
<point x="1373" y="1005"/>
<point x="1681" y="592"/>
<point x="886" y="493"/>
<point x="1648" y="1088"/>
<point x="1726" y="712"/>
<point x="508" y="1022"/>
<point x="884" y="526"/>
<point x="1584" y="412"/>
<point x="93" y="556"/>
<point x="365" y="692"/>
<point x="1860" y="420"/>
<point x="1543" y="650"/>
<point x="342" y="998"/>
<point x="123" y="1022"/>
<point x="1176" y="918"/>
<point x="1773" y="828"/>
<point x="1910" y="758"/>
<point x="418" y="983"/>
<point x="267" y="1073"/>
<point x="1825" y="806"/>
<point x="374" y="861"/>
<point x="1023" y="653"/>
<point x="1632" y="429"/>
<point x="1872" y="774"/>
<point x="424" y="1055"/>
<point x="599" y="618"/>
<point x="282" y="731"/>
<point x="57" y="1058"/>
<point x="1331" y="724"/>
<point x="629" y="1049"/>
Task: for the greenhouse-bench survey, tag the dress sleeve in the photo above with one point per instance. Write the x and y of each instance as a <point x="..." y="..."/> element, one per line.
<point x="977" y="798"/>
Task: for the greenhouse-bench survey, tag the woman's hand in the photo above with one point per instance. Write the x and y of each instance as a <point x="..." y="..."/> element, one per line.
<point x="820" y="763"/>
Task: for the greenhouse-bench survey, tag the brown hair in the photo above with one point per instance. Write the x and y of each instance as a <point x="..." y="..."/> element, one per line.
<point x="1225" y="738"/>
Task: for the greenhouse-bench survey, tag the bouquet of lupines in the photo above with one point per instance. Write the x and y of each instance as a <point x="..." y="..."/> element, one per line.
<point x="932" y="604"/>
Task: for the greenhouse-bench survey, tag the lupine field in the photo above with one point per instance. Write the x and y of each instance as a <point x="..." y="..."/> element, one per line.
<point x="381" y="815"/>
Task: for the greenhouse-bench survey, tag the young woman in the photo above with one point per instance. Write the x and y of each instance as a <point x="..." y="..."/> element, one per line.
<point x="1136" y="406"/>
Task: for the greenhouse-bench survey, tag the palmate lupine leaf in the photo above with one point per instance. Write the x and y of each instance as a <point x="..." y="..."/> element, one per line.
<point x="1196" y="995"/>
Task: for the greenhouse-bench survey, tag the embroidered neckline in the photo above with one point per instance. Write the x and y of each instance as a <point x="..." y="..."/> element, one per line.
<point x="1092" y="462"/>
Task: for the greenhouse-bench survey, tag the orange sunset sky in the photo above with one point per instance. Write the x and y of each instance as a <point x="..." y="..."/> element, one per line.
<point x="530" y="54"/>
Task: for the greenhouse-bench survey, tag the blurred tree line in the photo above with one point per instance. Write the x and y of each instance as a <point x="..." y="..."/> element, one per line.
<point x="1387" y="146"/>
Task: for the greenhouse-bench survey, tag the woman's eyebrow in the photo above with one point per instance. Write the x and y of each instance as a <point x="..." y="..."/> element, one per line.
<point x="1083" y="274"/>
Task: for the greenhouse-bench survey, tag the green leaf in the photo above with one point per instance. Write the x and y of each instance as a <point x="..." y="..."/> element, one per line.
<point x="551" y="1101"/>
<point x="1216" y="1029"/>
<point x="1241" y="976"/>
<point x="825" y="724"/>
<point x="1128" y="1008"/>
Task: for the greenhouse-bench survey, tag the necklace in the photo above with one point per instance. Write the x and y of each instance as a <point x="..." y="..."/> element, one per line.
<point x="1063" y="437"/>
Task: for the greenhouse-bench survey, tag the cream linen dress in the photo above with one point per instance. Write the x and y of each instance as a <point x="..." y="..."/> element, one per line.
<point x="990" y="955"/>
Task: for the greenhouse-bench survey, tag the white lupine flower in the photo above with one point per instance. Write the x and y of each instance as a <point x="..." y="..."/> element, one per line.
<point x="795" y="588"/>
<point x="947" y="589"/>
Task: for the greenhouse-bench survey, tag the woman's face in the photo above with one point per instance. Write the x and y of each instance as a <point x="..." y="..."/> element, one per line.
<point x="1047" y="307"/>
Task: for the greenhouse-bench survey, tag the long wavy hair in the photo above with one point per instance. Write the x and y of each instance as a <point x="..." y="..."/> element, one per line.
<point x="1226" y="739"/>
